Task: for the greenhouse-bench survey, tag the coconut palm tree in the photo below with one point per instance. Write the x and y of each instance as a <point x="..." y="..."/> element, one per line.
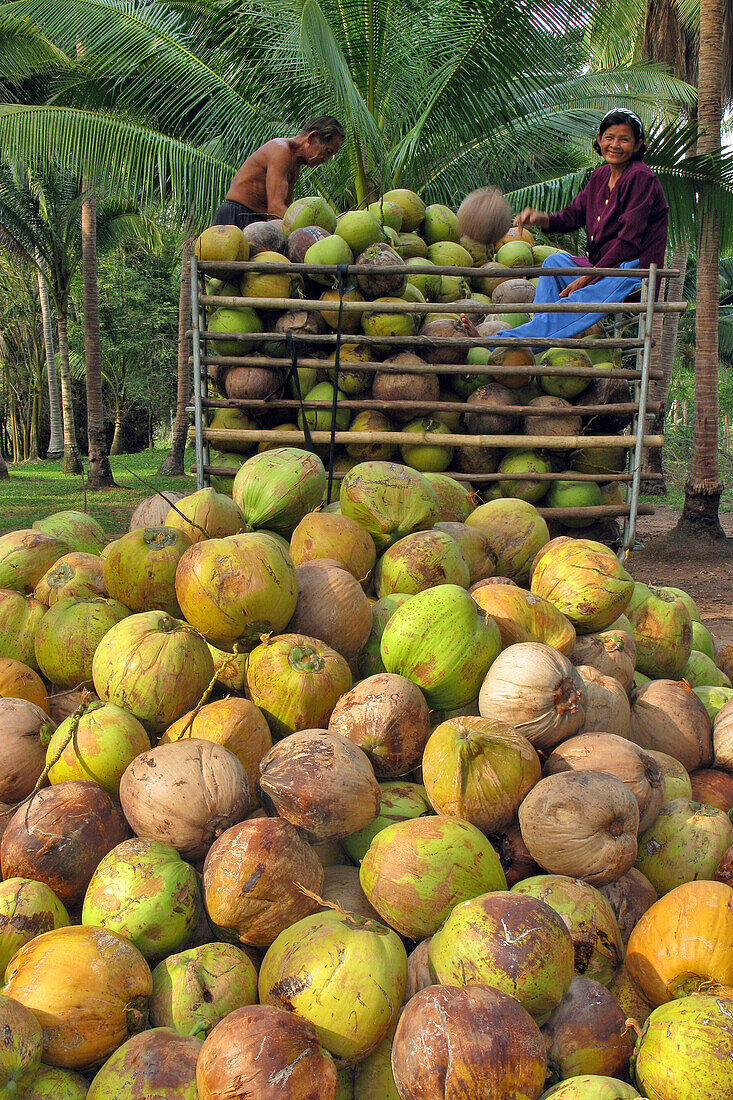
<point x="56" y="442"/>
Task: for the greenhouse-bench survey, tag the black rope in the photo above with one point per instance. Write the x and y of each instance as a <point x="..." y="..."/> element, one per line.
<point x="342" y="271"/>
<point x="293" y="373"/>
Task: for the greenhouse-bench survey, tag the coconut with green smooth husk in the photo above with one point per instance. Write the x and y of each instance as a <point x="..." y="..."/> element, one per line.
<point x="206" y="514"/>
<point x="523" y="462"/>
<point x="515" y="532"/>
<point x="512" y="942"/>
<point x="53" y="1083"/>
<point x="400" y="802"/>
<point x="685" y="1050"/>
<point x="474" y="548"/>
<point x="140" y="569"/>
<point x="27" y="909"/>
<point x="426" y="282"/>
<point x="662" y="631"/>
<point x="702" y="639"/>
<point x="412" y="246"/>
<point x="426" y="456"/>
<point x="515" y="254"/>
<point x="389" y="322"/>
<point x="584" y="581"/>
<point x="589" y="1086"/>
<point x="599" y="460"/>
<point x="145" y="892"/>
<point x="80" y="531"/>
<point x="274" y="490"/>
<point x="701" y="671"/>
<point x="68" y="635"/>
<point x="20" y="617"/>
<point x="242" y="322"/>
<point x="388" y="500"/>
<point x="560" y="385"/>
<point x="360" y="228"/>
<point x="440" y="641"/>
<point x="221" y="243"/>
<point x="387" y="213"/>
<point x="685" y="843"/>
<point x="418" y="562"/>
<point x="674" y="775"/>
<point x="352" y="380"/>
<point x="106" y="739"/>
<point x="369" y="661"/>
<point x="416" y="871"/>
<point x="411" y="205"/>
<point x="692" y="609"/>
<point x="195" y="989"/>
<point x="713" y="699"/>
<point x="354" y="1012"/>
<point x="311" y="210"/>
<point x="440" y="224"/>
<point x="25" y="556"/>
<point x="576" y="495"/>
<point x="160" y="1062"/>
<point x="455" y="502"/>
<point x="319" y="420"/>
<point x="224" y="483"/>
<point x="270" y="284"/>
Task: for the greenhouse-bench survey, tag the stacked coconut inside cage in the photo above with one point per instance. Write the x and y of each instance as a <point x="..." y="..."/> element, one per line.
<point x="400" y="231"/>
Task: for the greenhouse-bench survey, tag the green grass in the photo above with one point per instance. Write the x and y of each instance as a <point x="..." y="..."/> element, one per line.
<point x="36" y="489"/>
<point x="677" y="451"/>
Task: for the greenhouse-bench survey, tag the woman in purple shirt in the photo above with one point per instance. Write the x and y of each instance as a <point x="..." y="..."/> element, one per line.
<point x="624" y="212"/>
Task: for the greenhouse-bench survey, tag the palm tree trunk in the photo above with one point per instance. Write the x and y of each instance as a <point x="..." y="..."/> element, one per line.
<point x="71" y="461"/>
<point x="99" y="475"/>
<point x="56" y="442"/>
<point x="703" y="486"/>
<point x="116" y="446"/>
<point x="173" y="464"/>
<point x="4" y="472"/>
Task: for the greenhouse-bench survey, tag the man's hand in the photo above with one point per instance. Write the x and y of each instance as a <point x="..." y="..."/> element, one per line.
<point x="530" y="216"/>
<point x="577" y="284"/>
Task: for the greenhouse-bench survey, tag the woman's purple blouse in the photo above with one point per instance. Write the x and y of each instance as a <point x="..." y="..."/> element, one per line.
<point x="622" y="224"/>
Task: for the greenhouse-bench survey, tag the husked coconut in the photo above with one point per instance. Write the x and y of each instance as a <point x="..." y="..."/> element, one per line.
<point x="713" y="787"/>
<point x="612" y="652"/>
<point x="607" y="752"/>
<point x="405" y="385"/>
<point x="583" y="824"/>
<point x="514" y="856"/>
<point x="385" y="715"/>
<point x="607" y="707"/>
<point x="485" y="422"/>
<point x="587" y="1033"/>
<point x="152" y="511"/>
<point x="26" y="729"/>
<point x="534" y="690"/>
<point x="441" y="328"/>
<point x="547" y="424"/>
<point x="667" y="715"/>
<point x="252" y="382"/>
<point x="331" y="606"/>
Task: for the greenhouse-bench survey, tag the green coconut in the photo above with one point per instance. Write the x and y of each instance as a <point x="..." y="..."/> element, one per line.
<point x="388" y="214"/>
<point x="388" y="500"/>
<point x="426" y="456"/>
<point x="702" y="639"/>
<point x="222" y="243"/>
<point x="145" y="892"/>
<point x="674" y="775"/>
<point x="275" y="489"/>
<point x="685" y="1050"/>
<point x="400" y="802"/>
<point x="312" y="210"/>
<point x="234" y="590"/>
<point x="389" y="323"/>
<point x="154" y="666"/>
<point x="319" y="420"/>
<point x="455" y="501"/>
<point x="373" y="1077"/>
<point x="329" y="250"/>
<point x="589" y="1086"/>
<point x="231" y="420"/>
<point x="140" y="568"/>
<point x="428" y="284"/>
<point x="157" y="1063"/>
<point x="52" y="1083"/>
<point x="448" y="253"/>
<point x="416" y="871"/>
<point x="576" y="495"/>
<point x="98" y="745"/>
<point x="585" y="581"/>
<point x="412" y="245"/>
<point x="411" y="205"/>
<point x="205" y="514"/>
<point x="270" y="284"/>
<point x="76" y="574"/>
<point x="25" y="556"/>
<point x="19" y="620"/>
<point x="27" y="909"/>
<point x="701" y="671"/>
<point x="242" y="321"/>
<point x="68" y="635"/>
<point x="440" y="224"/>
<point x="20" y="1049"/>
<point x="692" y="609"/>
<point x="474" y="549"/>
<point x="515" y="532"/>
<point x="515" y="254"/>
<point x="442" y="642"/>
<point x="514" y="943"/>
<point x="81" y="532"/>
<point x="360" y="228"/>
<point x="599" y="460"/>
<point x="453" y="288"/>
<point x="420" y="561"/>
<point x="224" y="483"/>
<point x="345" y="976"/>
<point x="589" y="918"/>
<point x="523" y="462"/>
<point x="713" y="699"/>
<point x="296" y="682"/>
<point x="685" y="843"/>
<point x="559" y="385"/>
<point x="369" y="660"/>
<point x="662" y="631"/>
<point x="195" y="989"/>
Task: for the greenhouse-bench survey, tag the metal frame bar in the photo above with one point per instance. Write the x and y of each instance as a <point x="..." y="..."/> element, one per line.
<point x="199" y="380"/>
<point x="641" y="387"/>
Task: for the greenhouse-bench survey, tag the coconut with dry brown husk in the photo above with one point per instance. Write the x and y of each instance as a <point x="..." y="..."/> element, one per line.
<point x="385" y="715"/>
<point x="479" y="417"/>
<point x="484" y="215"/>
<point x="630" y="896"/>
<point x="331" y="606"/>
<point x="606" y="703"/>
<point x="666" y="715"/>
<point x="405" y="384"/>
<point x="612" y="652"/>
<point x="587" y="1034"/>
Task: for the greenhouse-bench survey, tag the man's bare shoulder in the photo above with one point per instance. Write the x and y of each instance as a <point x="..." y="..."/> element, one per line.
<point x="276" y="151"/>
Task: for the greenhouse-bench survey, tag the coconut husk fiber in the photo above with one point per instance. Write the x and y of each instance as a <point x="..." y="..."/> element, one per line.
<point x="484" y="215"/>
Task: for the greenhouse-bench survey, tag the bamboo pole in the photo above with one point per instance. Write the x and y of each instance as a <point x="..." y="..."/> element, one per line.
<point x="523" y="442"/>
<point x="241" y="267"/>
<point x="372" y="404"/>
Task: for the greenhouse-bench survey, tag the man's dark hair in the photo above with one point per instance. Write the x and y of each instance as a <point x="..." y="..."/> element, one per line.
<point x="326" y="126"/>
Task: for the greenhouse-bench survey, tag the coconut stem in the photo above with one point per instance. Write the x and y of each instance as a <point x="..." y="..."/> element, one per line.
<point x="328" y="904"/>
<point x="633" y="1025"/>
<point x="160" y="493"/>
<point x="210" y="687"/>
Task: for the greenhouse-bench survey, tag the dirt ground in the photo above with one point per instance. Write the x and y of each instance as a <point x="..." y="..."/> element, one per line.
<point x="704" y="569"/>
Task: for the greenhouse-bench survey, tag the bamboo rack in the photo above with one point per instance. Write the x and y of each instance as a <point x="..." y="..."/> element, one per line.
<point x="640" y="313"/>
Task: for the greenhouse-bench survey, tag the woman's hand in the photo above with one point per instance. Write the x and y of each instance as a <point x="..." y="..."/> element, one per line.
<point x="577" y="284"/>
<point x="530" y="216"/>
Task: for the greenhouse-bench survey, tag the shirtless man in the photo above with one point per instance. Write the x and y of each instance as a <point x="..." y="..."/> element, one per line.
<point x="263" y="187"/>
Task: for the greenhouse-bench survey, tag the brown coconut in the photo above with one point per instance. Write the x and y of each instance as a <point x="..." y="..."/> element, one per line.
<point x="631" y="1000"/>
<point x="265" y="236"/>
<point x="387" y="717"/>
<point x="667" y="715"/>
<point x="418" y="970"/>
<point x="607" y="391"/>
<point x="583" y="824"/>
<point x="302" y="322"/>
<point x="341" y="887"/>
<point x="442" y="328"/>
<point x="477" y="460"/>
<point x="300" y="241"/>
<point x="338" y="538"/>
<point x="375" y="283"/>
<point x="252" y="382"/>
<point x="320" y="782"/>
<point x="724" y="871"/>
<point x="607" y="706"/>
<point x="331" y="606"/>
<point x="185" y="794"/>
<point x="514" y="855"/>
<point x="607" y="752"/>
<point x="152" y="511"/>
<point x="489" y="275"/>
<point x="612" y="652"/>
<point x="405" y="385"/>
<point x="26" y="730"/>
<point x="722" y="739"/>
<point x="675" y="777"/>
<point x="59" y="837"/>
<point x="484" y="421"/>
<point x="549" y="423"/>
<point x="473" y="1042"/>
<point x="712" y="787"/>
<point x="62" y="703"/>
<point x="265" y="1053"/>
<point x="587" y="1034"/>
<point x="512" y="291"/>
<point x="630" y="896"/>
<point x="484" y="215"/>
<point x="250" y="877"/>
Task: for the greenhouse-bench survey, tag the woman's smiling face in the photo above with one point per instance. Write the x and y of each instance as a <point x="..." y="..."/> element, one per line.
<point x="618" y="144"/>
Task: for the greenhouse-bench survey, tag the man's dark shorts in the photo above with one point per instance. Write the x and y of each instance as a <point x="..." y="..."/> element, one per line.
<point x="235" y="213"/>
